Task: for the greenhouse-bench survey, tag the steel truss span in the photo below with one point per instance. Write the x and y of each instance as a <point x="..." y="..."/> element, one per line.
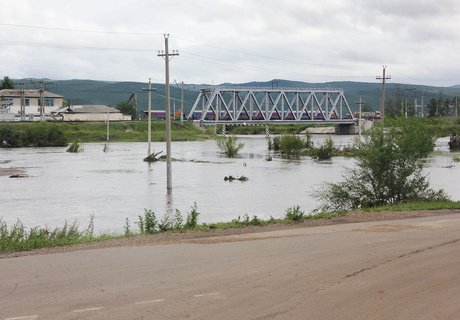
<point x="271" y="106"/>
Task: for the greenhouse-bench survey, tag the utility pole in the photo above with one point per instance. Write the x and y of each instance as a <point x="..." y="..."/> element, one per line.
<point x="22" y="110"/>
<point x="181" y="89"/>
<point x="41" y="107"/>
<point x="382" y="98"/>
<point x="360" y="103"/>
<point x="149" y="126"/>
<point x="108" y="126"/>
<point x="168" y="56"/>
<point x="422" y="102"/>
<point x="456" y="106"/>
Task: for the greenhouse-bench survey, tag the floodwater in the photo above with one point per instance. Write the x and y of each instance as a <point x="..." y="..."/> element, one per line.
<point x="117" y="184"/>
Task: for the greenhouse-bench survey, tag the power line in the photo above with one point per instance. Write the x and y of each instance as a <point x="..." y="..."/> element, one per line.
<point x="270" y="57"/>
<point x="80" y="30"/>
<point x="73" y="47"/>
<point x="293" y="61"/>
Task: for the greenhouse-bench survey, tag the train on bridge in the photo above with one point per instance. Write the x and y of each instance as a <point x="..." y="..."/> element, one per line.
<point x="244" y="116"/>
<point x="235" y="106"/>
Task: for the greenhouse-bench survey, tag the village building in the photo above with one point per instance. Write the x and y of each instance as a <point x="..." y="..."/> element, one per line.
<point x="26" y="104"/>
<point x="89" y="113"/>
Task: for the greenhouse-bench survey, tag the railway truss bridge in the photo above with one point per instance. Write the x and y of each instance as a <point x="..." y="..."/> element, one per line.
<point x="248" y="106"/>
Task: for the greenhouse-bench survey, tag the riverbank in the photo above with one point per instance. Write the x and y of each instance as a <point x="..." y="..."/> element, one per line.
<point x="125" y="131"/>
<point x="205" y="235"/>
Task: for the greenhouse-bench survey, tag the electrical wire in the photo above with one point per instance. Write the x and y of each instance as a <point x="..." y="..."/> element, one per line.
<point x="81" y="30"/>
<point x="62" y="46"/>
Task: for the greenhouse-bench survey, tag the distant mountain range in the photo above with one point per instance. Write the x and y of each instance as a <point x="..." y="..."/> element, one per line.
<point x="111" y="93"/>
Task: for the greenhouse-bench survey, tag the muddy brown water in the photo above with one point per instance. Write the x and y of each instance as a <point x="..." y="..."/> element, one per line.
<point x="117" y="184"/>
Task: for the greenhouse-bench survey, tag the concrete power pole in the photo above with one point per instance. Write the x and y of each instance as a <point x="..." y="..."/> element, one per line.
<point x="181" y="89"/>
<point x="456" y="106"/>
<point x="360" y="103"/>
<point x="382" y="98"/>
<point x="422" y="102"/>
<point x="41" y="107"/>
<point x="149" y="125"/>
<point x="168" y="56"/>
<point x="22" y="110"/>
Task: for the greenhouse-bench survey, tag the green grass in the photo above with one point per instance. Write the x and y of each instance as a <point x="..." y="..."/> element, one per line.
<point x="18" y="238"/>
<point x="127" y="131"/>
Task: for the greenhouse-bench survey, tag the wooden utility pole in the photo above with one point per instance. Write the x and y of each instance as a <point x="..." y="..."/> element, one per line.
<point x="382" y="98"/>
<point x="168" y="56"/>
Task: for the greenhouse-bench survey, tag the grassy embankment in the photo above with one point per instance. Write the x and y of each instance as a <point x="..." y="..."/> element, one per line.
<point x="131" y="131"/>
<point x="19" y="238"/>
<point x="38" y="134"/>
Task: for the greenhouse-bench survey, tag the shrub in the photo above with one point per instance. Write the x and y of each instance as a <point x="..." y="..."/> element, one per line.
<point x="192" y="217"/>
<point x="148" y="222"/>
<point x="325" y="151"/>
<point x="294" y="214"/>
<point x="31" y="135"/>
<point x="388" y="170"/>
<point x="291" y="146"/>
<point x="75" y="147"/>
<point x="229" y="146"/>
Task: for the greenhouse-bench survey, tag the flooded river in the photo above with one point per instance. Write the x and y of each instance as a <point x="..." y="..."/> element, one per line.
<point x="117" y="184"/>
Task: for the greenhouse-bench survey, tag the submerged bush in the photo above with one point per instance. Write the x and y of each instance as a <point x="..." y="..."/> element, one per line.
<point x="325" y="151"/>
<point x="291" y="146"/>
<point x="230" y="146"/>
<point x="75" y="147"/>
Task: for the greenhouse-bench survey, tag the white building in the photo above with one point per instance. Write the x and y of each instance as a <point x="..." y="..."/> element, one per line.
<point x="13" y="101"/>
<point x="89" y="113"/>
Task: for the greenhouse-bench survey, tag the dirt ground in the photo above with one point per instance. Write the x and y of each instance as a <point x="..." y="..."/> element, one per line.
<point x="227" y="235"/>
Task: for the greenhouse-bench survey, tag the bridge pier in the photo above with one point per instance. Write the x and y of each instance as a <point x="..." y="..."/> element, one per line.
<point x="345" y="129"/>
<point x="267" y="131"/>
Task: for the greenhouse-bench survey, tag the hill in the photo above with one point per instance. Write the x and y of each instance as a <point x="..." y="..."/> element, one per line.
<point x="111" y="93"/>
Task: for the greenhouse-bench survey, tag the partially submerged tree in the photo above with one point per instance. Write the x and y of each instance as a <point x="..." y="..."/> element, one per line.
<point x="388" y="170"/>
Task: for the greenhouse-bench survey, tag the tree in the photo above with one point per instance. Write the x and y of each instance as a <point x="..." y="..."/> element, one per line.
<point x="128" y="109"/>
<point x="7" y="83"/>
<point x="388" y="170"/>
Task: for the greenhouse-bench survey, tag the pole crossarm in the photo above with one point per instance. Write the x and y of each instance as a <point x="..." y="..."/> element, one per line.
<point x="270" y="106"/>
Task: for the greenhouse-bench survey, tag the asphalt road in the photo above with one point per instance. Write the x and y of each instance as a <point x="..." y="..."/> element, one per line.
<point x="401" y="269"/>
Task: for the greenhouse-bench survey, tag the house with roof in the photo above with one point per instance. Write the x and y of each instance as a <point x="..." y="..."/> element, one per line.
<point x="27" y="103"/>
<point x="93" y="112"/>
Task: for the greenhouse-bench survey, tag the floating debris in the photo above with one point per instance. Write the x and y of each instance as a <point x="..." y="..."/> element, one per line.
<point x="19" y="175"/>
<point x="153" y="157"/>
<point x="232" y="178"/>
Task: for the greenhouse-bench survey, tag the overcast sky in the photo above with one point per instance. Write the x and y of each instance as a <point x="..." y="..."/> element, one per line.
<point x="233" y="41"/>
